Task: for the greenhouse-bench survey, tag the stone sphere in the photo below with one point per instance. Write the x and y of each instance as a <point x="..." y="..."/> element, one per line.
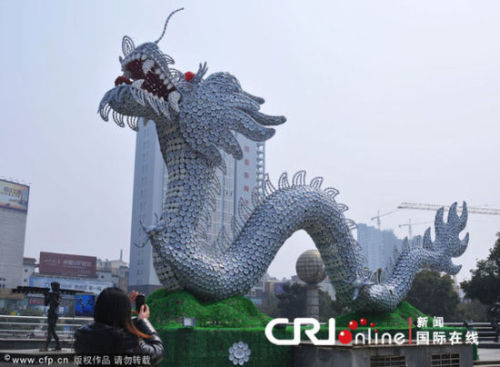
<point x="310" y="267"/>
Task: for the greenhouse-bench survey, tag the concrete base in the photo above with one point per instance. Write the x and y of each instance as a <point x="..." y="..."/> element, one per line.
<point x="308" y="355"/>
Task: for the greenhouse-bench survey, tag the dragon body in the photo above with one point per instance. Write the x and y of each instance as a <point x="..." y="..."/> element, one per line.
<point x="195" y="119"/>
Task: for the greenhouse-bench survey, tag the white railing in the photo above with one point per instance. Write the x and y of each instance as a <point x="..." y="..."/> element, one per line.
<point x="35" y="327"/>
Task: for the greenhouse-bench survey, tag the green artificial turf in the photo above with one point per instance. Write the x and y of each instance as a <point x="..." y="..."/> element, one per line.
<point x="220" y="324"/>
<point x="206" y="347"/>
<point x="169" y="308"/>
<point x="395" y="319"/>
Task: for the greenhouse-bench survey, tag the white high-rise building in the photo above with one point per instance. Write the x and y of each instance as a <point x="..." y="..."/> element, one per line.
<point x="150" y="185"/>
<point x="238" y="183"/>
<point x="379" y="246"/>
<point x="13" y="214"/>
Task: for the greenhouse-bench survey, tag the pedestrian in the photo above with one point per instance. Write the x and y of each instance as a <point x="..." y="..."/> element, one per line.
<point x="114" y="333"/>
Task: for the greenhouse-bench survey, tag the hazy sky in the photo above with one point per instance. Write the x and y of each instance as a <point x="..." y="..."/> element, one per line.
<point x="390" y="101"/>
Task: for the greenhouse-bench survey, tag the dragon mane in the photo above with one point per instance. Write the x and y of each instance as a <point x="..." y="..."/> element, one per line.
<point x="212" y="109"/>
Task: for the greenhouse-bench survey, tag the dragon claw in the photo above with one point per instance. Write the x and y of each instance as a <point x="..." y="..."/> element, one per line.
<point x="360" y="283"/>
<point x="448" y="243"/>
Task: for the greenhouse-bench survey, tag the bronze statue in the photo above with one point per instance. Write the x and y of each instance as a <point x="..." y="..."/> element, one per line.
<point x="52" y="299"/>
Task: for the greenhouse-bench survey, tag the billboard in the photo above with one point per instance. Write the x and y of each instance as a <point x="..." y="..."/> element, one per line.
<point x="68" y="265"/>
<point x="84" y="305"/>
<point x="83" y="285"/>
<point x="14" y="195"/>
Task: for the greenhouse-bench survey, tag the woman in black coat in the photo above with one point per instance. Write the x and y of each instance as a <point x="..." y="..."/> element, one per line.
<point x="114" y="333"/>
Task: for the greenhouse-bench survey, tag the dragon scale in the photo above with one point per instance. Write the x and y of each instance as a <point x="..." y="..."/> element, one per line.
<point x="195" y="118"/>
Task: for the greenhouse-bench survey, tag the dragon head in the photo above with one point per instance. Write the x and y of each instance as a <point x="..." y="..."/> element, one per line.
<point x="206" y="111"/>
<point x="148" y="86"/>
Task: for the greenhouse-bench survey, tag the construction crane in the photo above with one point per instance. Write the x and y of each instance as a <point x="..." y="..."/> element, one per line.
<point x="378" y="216"/>
<point x="434" y="207"/>
<point x="410" y="224"/>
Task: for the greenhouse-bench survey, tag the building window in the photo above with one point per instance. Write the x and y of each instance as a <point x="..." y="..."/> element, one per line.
<point x="247" y="162"/>
<point x="247" y="148"/>
<point x="246" y="188"/>
<point x="246" y="175"/>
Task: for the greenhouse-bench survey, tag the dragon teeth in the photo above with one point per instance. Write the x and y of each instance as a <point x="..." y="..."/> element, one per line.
<point x="173" y="100"/>
<point x="104" y="111"/>
<point x="152" y="102"/>
<point x="138" y="95"/>
<point x="118" y="118"/>
<point x="147" y="66"/>
<point x="164" y="109"/>
<point x="138" y="83"/>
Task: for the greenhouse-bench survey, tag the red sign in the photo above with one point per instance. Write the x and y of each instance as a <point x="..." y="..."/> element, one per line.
<point x="67" y="265"/>
<point x="37" y="301"/>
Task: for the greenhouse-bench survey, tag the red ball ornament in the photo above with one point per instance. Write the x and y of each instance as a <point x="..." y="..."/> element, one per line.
<point x="353" y="324"/>
<point x="376" y="330"/>
<point x="345" y="336"/>
<point x="363" y="321"/>
<point x="372" y="324"/>
<point x="188" y="75"/>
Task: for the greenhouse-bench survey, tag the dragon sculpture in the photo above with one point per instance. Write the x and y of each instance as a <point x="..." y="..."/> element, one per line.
<point x="195" y="118"/>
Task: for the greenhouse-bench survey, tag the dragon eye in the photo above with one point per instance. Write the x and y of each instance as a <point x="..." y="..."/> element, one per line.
<point x="188" y="75"/>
